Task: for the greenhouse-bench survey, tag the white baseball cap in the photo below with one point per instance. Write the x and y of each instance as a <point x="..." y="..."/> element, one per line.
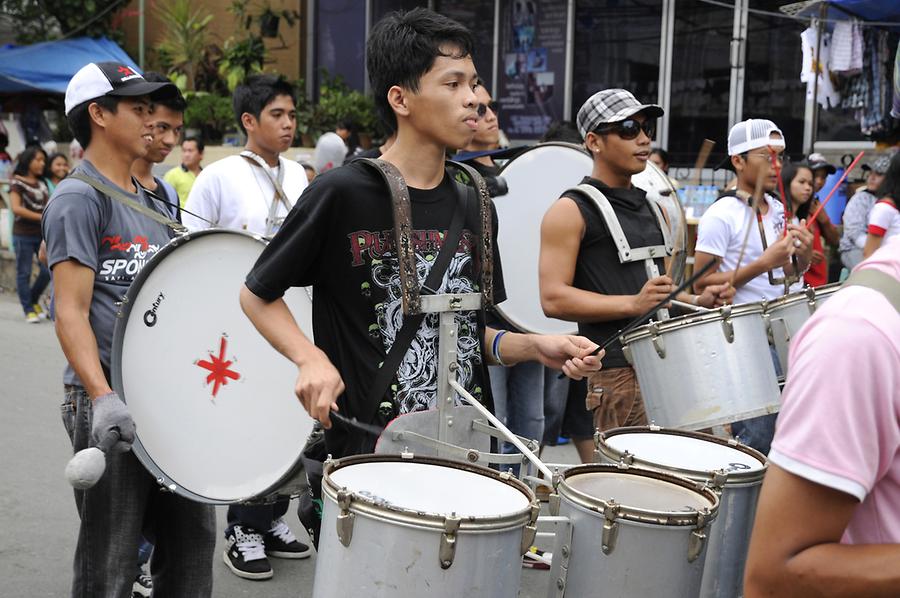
<point x="752" y="134"/>
<point x="99" y="79"/>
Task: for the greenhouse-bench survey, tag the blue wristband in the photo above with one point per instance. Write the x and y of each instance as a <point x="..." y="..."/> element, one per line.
<point x="495" y="351"/>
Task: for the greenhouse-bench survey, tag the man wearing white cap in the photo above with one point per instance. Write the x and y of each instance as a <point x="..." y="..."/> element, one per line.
<point x="755" y="147"/>
<point x="96" y="245"/>
<point x="584" y="277"/>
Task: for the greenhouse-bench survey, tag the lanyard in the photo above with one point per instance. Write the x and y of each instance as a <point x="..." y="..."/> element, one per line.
<point x="272" y="222"/>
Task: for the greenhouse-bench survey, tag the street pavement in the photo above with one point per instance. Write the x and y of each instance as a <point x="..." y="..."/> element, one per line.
<point x="38" y="522"/>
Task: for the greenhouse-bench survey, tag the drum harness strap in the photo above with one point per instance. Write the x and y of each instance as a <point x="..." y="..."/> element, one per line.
<point x="272" y="223"/>
<point x="626" y="253"/>
<point x="123" y="199"/>
<point x="405" y="248"/>
<point x="876" y="280"/>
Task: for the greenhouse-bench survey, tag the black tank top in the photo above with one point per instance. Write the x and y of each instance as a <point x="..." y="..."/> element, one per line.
<point x="598" y="268"/>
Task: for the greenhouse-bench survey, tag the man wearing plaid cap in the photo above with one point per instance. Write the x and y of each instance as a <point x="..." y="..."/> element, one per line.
<point x="583" y="276"/>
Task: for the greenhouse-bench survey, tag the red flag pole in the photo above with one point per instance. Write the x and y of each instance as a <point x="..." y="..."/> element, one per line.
<point x="812" y="218"/>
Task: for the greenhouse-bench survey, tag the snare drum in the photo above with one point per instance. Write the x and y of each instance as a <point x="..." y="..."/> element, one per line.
<point x="635" y="533"/>
<point x="398" y="526"/>
<point x="786" y="315"/>
<point x="213" y="404"/>
<point x="705" y="369"/>
<point x="736" y="471"/>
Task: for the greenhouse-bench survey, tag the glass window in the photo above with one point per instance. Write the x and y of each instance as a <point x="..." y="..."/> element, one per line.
<point x="772" y="86"/>
<point x="478" y="16"/>
<point x="340" y="40"/>
<point x="701" y="77"/>
<point x="616" y="45"/>
<point x="382" y="7"/>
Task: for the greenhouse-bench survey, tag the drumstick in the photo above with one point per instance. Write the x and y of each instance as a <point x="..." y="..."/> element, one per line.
<point x="754" y="206"/>
<point x="705" y="149"/>
<point x="86" y="468"/>
<point x="812" y="218"/>
<point x="354" y="423"/>
<point x="788" y="214"/>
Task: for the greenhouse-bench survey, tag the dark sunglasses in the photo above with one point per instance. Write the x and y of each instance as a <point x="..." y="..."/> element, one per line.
<point x="630" y="128"/>
<point x="483" y="108"/>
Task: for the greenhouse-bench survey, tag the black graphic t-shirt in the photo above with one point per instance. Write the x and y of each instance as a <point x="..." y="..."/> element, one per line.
<point x="598" y="268"/>
<point x="339" y="238"/>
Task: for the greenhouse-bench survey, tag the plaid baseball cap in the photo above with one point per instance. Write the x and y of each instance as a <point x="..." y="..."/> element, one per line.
<point x="817" y="161"/>
<point x="752" y="134"/>
<point x="609" y="106"/>
<point x="879" y="165"/>
<point x="99" y="79"/>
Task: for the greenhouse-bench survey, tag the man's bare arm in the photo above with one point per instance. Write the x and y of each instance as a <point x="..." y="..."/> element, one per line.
<point x="796" y="552"/>
<point x="73" y="287"/>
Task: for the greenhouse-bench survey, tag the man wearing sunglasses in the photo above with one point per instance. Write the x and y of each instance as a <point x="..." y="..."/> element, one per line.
<point x="584" y="277"/>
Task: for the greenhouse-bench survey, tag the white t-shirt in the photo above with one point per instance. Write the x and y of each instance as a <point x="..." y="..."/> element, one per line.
<point x="721" y="233"/>
<point x="884" y="220"/>
<point x="233" y="193"/>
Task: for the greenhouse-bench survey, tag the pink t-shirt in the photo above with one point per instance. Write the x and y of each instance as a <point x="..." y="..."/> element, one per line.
<point x="839" y="424"/>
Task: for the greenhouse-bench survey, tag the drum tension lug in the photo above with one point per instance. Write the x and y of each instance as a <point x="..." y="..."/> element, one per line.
<point x="530" y="531"/>
<point x="698" y="536"/>
<point x="626" y="351"/>
<point x="345" y="518"/>
<point x="625" y="461"/>
<point x="447" y="550"/>
<point x="720" y="478"/>
<point x="610" y="527"/>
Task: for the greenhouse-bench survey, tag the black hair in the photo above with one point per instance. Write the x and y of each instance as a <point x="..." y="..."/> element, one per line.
<point x="80" y="120"/>
<point x="4" y="140"/>
<point x="663" y="154"/>
<point x="404" y="45"/>
<point x="256" y="92"/>
<point x="788" y="173"/>
<point x="176" y="102"/>
<point x="50" y="159"/>
<point x="26" y="157"/>
<point x="200" y="145"/>
<point x="348" y="124"/>
<point x="890" y="187"/>
<point x="563" y="130"/>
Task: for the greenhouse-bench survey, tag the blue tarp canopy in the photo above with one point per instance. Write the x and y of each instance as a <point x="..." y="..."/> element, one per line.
<point x="46" y="68"/>
<point x="885" y="11"/>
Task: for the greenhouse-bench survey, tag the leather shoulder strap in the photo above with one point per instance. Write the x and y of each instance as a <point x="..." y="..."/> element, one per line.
<point x="123" y="199"/>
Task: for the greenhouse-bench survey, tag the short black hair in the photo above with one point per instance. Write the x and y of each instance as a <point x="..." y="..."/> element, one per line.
<point x="890" y="187"/>
<point x="200" y="145"/>
<point x="80" y="120"/>
<point x="404" y="45"/>
<point x="26" y="157"/>
<point x="256" y="92"/>
<point x="174" y="102"/>
<point x="563" y="130"/>
<point x="663" y="154"/>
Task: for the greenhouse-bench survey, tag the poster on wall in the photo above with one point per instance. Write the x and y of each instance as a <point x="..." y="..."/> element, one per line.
<point x="533" y="61"/>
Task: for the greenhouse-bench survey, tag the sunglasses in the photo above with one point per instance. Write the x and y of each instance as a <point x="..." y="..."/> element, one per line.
<point x="483" y="108"/>
<point x="630" y="128"/>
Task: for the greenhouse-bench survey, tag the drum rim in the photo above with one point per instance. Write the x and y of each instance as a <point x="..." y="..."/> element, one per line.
<point x="807" y="294"/>
<point x="624" y="512"/>
<point x="701" y="475"/>
<point x="565" y="144"/>
<point x="363" y="505"/>
<point x="162" y="478"/>
<point x="690" y="320"/>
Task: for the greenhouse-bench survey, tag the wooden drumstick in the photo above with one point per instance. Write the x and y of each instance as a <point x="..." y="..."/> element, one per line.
<point x="754" y="205"/>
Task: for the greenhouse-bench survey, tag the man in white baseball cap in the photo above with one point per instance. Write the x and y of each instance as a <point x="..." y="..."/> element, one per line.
<point x="96" y="246"/>
<point x="755" y="148"/>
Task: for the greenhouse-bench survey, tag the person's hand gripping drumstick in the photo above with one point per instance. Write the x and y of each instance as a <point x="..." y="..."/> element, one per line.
<point x="318" y="387"/>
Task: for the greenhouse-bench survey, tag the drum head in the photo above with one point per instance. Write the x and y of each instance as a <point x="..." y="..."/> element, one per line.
<point x="213" y="403"/>
<point x="684" y="452"/>
<point x="638" y="492"/>
<point x="536" y="179"/>
<point x="433" y="489"/>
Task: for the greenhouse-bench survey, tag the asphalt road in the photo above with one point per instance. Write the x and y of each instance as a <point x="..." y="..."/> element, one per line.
<point x="38" y="522"/>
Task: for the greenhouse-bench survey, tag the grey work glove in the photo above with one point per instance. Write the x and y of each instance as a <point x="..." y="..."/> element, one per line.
<point x="110" y="413"/>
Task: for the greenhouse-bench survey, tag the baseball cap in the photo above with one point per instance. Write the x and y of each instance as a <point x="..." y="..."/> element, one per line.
<point x="817" y="161"/>
<point x="879" y="165"/>
<point x="99" y="79"/>
<point x="753" y="134"/>
<point x="609" y="106"/>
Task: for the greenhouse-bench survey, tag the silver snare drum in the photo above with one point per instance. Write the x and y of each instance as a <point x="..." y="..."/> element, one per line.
<point x="706" y="369"/>
<point x="786" y="315"/>
<point x="734" y="470"/>
<point x="636" y="533"/>
<point x="398" y="526"/>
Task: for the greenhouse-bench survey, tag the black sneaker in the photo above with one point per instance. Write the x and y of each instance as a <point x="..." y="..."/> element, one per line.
<point x="142" y="587"/>
<point x="281" y="542"/>
<point x="245" y="553"/>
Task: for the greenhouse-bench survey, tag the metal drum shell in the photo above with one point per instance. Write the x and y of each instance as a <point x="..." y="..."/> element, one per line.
<point x="786" y="315"/>
<point x="650" y="556"/>
<point x="691" y="377"/>
<point x="729" y="539"/>
<point x="394" y="552"/>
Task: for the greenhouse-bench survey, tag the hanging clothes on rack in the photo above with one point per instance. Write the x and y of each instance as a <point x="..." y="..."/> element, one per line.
<point x="827" y="94"/>
<point x="847" y="48"/>
<point x="895" y="109"/>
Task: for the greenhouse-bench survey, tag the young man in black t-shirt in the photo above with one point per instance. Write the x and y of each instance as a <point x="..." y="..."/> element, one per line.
<point x="339" y="238"/>
<point x="581" y="277"/>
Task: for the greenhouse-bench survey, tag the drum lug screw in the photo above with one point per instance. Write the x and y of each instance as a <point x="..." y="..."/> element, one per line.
<point x="728" y="328"/>
<point x="345" y="518"/>
<point x="447" y="550"/>
<point x="610" y="527"/>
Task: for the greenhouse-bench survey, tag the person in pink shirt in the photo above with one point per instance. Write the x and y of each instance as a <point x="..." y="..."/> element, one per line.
<point x="828" y="519"/>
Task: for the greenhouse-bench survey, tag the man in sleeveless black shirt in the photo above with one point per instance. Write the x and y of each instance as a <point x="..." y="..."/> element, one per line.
<point x="581" y="276"/>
